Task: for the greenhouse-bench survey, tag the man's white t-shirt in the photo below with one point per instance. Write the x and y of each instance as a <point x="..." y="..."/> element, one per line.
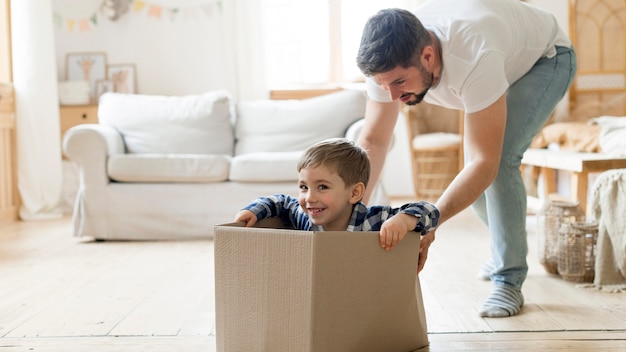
<point x="486" y="46"/>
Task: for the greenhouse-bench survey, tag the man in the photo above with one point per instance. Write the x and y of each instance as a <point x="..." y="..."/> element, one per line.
<point x="507" y="65"/>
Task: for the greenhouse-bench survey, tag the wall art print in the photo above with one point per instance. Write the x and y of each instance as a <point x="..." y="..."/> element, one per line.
<point x="87" y="66"/>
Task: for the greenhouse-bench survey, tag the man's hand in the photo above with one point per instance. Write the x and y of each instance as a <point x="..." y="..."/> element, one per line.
<point x="425" y="243"/>
<point x="246" y="216"/>
<point x="395" y="228"/>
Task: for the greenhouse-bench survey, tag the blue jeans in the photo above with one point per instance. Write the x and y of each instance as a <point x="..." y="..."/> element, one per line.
<point x="502" y="207"/>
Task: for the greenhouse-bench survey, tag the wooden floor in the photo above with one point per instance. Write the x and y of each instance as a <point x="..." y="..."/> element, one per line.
<point x="59" y="293"/>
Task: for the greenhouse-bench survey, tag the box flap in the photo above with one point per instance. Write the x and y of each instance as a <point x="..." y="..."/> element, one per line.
<point x="262" y="289"/>
<point x="366" y="298"/>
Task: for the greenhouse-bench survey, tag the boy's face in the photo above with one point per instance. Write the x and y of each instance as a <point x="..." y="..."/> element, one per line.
<point x="326" y="198"/>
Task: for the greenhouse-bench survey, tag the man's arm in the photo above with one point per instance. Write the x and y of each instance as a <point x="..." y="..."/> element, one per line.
<point x="483" y="139"/>
<point x="380" y="120"/>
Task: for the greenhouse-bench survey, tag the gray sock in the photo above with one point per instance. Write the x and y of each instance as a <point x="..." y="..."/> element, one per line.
<point x="504" y="301"/>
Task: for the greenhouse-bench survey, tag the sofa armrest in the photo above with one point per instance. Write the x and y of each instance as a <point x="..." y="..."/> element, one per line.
<point x="90" y="145"/>
<point x="379" y="196"/>
<point x="353" y="131"/>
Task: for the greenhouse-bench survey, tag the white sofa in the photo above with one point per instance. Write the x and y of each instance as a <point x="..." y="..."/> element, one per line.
<point x="162" y="167"/>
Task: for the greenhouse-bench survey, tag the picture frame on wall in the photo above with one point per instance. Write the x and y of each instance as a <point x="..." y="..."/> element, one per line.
<point x="124" y="78"/>
<point x="86" y="66"/>
<point x="103" y="86"/>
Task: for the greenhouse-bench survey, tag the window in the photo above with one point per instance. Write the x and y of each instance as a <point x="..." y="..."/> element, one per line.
<point x="315" y="42"/>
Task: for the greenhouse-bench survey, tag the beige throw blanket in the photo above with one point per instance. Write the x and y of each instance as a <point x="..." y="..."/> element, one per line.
<point x="606" y="134"/>
<point x="612" y="134"/>
<point x="608" y="206"/>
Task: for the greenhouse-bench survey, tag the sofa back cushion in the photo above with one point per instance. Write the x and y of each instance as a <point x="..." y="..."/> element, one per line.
<point x="193" y="124"/>
<point x="293" y="125"/>
<point x="265" y="167"/>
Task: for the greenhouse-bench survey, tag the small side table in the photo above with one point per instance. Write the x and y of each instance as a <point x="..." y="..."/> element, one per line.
<point x="72" y="115"/>
<point x="578" y="164"/>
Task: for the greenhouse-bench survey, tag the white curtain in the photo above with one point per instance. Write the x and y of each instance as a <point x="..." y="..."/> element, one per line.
<point x="37" y="109"/>
<point x="244" y="20"/>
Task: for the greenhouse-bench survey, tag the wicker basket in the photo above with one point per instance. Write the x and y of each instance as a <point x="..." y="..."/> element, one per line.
<point x="552" y="214"/>
<point x="577" y="251"/>
<point x="436" y="164"/>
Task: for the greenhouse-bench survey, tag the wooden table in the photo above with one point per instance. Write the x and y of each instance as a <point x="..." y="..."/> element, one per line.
<point x="72" y="115"/>
<point x="578" y="164"/>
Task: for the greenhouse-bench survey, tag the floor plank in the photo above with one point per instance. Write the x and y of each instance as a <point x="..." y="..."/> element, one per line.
<point x="537" y="342"/>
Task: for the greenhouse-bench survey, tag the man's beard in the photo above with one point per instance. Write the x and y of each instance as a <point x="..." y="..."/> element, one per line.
<point x="427" y="79"/>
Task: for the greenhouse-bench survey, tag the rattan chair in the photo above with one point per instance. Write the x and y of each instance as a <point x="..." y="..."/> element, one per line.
<point x="436" y="148"/>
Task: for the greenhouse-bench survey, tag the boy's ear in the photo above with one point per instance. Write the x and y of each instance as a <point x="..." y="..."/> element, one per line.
<point x="357" y="192"/>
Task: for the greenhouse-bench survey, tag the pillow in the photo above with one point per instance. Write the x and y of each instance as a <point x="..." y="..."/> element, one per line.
<point x="265" y="167"/>
<point x="292" y="125"/>
<point x="435" y="140"/>
<point x="194" y="124"/>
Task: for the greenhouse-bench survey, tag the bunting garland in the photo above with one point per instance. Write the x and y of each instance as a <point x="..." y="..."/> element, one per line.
<point x="139" y="7"/>
<point x="80" y="24"/>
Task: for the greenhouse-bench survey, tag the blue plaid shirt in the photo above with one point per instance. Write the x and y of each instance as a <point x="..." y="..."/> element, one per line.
<point x="362" y="219"/>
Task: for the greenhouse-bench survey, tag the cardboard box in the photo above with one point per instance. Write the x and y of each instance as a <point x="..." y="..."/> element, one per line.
<point x="286" y="290"/>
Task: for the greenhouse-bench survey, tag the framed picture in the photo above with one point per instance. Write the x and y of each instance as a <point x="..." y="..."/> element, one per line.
<point x="103" y="86"/>
<point x="123" y="77"/>
<point x="89" y="67"/>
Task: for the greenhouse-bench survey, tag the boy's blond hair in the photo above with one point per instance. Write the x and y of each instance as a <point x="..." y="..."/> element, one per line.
<point x="341" y="155"/>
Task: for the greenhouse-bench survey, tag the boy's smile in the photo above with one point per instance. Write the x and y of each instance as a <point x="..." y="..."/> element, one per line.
<point x="325" y="198"/>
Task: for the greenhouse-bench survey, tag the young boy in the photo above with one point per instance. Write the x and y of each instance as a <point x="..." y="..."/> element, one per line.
<point x="333" y="175"/>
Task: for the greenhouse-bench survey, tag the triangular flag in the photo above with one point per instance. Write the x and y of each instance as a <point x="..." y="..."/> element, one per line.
<point x="139" y="5"/>
<point x="173" y="13"/>
<point x="208" y="9"/>
<point x="155" y="11"/>
<point x="94" y="19"/>
<point x="70" y="25"/>
<point x="58" y="20"/>
<point x="189" y="13"/>
<point x="83" y="25"/>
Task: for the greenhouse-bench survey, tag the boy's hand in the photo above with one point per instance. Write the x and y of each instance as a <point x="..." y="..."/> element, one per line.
<point x="393" y="230"/>
<point x="246" y="216"/>
<point x="425" y="243"/>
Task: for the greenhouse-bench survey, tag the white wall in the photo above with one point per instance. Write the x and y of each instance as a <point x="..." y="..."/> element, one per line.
<point x="188" y="52"/>
<point x="398" y="175"/>
<point x="557" y="7"/>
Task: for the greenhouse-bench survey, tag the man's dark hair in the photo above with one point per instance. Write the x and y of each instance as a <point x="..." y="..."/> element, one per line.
<point x="391" y="38"/>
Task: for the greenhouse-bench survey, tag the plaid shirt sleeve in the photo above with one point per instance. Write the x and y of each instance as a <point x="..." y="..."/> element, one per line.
<point x="427" y="213"/>
<point x="372" y="218"/>
<point x="283" y="206"/>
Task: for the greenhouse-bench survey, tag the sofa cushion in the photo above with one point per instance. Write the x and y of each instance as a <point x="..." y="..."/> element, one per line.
<point x="194" y="124"/>
<point x="168" y="167"/>
<point x="292" y="125"/>
<point x="265" y="167"/>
